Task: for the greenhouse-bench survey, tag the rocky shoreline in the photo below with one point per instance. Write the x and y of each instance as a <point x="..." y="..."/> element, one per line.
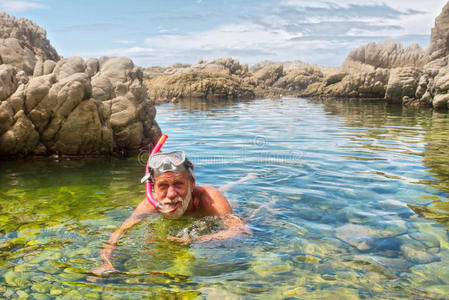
<point x="409" y="76"/>
<point x="67" y="106"/>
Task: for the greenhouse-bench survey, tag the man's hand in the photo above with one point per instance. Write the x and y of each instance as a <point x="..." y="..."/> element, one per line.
<point x="183" y="240"/>
<point x="142" y="210"/>
<point x="102" y="271"/>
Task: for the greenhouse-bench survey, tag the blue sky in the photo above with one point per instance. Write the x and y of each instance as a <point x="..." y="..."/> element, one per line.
<point x="168" y="32"/>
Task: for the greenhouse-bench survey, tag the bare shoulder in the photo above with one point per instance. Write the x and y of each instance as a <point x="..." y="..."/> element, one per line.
<point x="213" y="202"/>
<point x="143" y="209"/>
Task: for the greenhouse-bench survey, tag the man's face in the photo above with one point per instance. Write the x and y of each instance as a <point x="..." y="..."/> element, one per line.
<point x="174" y="191"/>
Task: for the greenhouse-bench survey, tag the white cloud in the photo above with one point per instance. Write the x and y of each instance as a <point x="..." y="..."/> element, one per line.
<point x="230" y="36"/>
<point x="321" y="32"/>
<point x="135" y="51"/>
<point x="321" y="37"/>
<point x="124" y="42"/>
<point x="419" y="23"/>
<point x="18" y="6"/>
<point x="248" y="42"/>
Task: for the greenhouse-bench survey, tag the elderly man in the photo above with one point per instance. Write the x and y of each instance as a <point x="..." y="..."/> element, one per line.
<point x="177" y="195"/>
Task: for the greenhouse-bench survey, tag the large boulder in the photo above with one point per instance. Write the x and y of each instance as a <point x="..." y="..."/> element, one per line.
<point x="439" y="39"/>
<point x="15" y="54"/>
<point x="29" y="35"/>
<point x="388" y="55"/>
<point x="68" y="106"/>
<point x="439" y="86"/>
<point x="20" y="138"/>
<point x="69" y="66"/>
<point x="351" y="85"/>
<point x="6" y="116"/>
<point x="8" y="81"/>
<point x="269" y="75"/>
<point x="296" y="80"/>
<point x="218" y="79"/>
<point x="85" y="131"/>
<point x="403" y="82"/>
<point x="79" y="108"/>
<point x="227" y="66"/>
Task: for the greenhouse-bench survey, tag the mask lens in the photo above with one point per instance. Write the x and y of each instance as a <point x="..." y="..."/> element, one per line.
<point x="175" y="158"/>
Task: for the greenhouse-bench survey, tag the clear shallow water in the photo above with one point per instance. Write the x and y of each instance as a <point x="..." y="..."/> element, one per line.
<point x="351" y="201"/>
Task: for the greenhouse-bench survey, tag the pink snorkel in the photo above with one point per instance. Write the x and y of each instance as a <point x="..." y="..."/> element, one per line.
<point x="148" y="187"/>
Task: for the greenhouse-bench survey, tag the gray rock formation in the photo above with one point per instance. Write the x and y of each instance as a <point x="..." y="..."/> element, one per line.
<point x="68" y="106"/>
<point x="439" y="40"/>
<point x="377" y="70"/>
<point x="218" y="79"/>
<point x="407" y="76"/>
<point x="299" y="79"/>
<point x="388" y="55"/>
<point x="29" y="36"/>
<point x="403" y="82"/>
<point x="269" y="75"/>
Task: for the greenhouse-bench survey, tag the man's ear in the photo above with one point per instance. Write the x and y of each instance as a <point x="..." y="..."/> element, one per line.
<point x="192" y="182"/>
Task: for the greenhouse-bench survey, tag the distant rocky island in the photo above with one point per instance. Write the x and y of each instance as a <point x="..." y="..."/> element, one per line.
<point x="67" y="106"/>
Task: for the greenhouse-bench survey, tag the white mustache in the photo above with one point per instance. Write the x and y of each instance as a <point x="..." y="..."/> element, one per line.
<point x="166" y="201"/>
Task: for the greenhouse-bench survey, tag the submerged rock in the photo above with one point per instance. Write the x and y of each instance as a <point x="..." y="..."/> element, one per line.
<point x="73" y="295"/>
<point x="418" y="256"/>
<point x="432" y="272"/>
<point x="17" y="279"/>
<point x="50" y="268"/>
<point x="365" y="237"/>
<point x="425" y="238"/>
<point x="361" y="237"/>
<point x="42" y="287"/>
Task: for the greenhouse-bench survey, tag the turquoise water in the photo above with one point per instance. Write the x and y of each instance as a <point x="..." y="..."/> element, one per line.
<point x="350" y="202"/>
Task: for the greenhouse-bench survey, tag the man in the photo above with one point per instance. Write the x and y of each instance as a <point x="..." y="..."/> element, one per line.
<point x="177" y="195"/>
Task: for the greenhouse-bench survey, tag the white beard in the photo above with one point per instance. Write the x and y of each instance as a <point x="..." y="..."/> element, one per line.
<point x="183" y="204"/>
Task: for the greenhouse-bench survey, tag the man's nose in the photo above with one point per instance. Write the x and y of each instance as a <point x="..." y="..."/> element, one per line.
<point x="171" y="193"/>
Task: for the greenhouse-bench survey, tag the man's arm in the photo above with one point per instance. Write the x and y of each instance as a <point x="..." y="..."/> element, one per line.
<point x="214" y="203"/>
<point x="142" y="210"/>
<point x="234" y="226"/>
<point x="229" y="185"/>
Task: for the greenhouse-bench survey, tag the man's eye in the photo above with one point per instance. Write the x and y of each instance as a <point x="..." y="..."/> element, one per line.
<point x="163" y="186"/>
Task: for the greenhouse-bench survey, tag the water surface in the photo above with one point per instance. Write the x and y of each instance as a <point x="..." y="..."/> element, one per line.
<point x="350" y="201"/>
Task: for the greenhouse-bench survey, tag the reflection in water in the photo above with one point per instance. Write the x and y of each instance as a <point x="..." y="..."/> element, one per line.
<point x="211" y="106"/>
<point x="392" y="125"/>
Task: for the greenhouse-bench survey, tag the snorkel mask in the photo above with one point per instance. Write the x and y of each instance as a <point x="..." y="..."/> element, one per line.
<point x="174" y="161"/>
<point x="158" y="163"/>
